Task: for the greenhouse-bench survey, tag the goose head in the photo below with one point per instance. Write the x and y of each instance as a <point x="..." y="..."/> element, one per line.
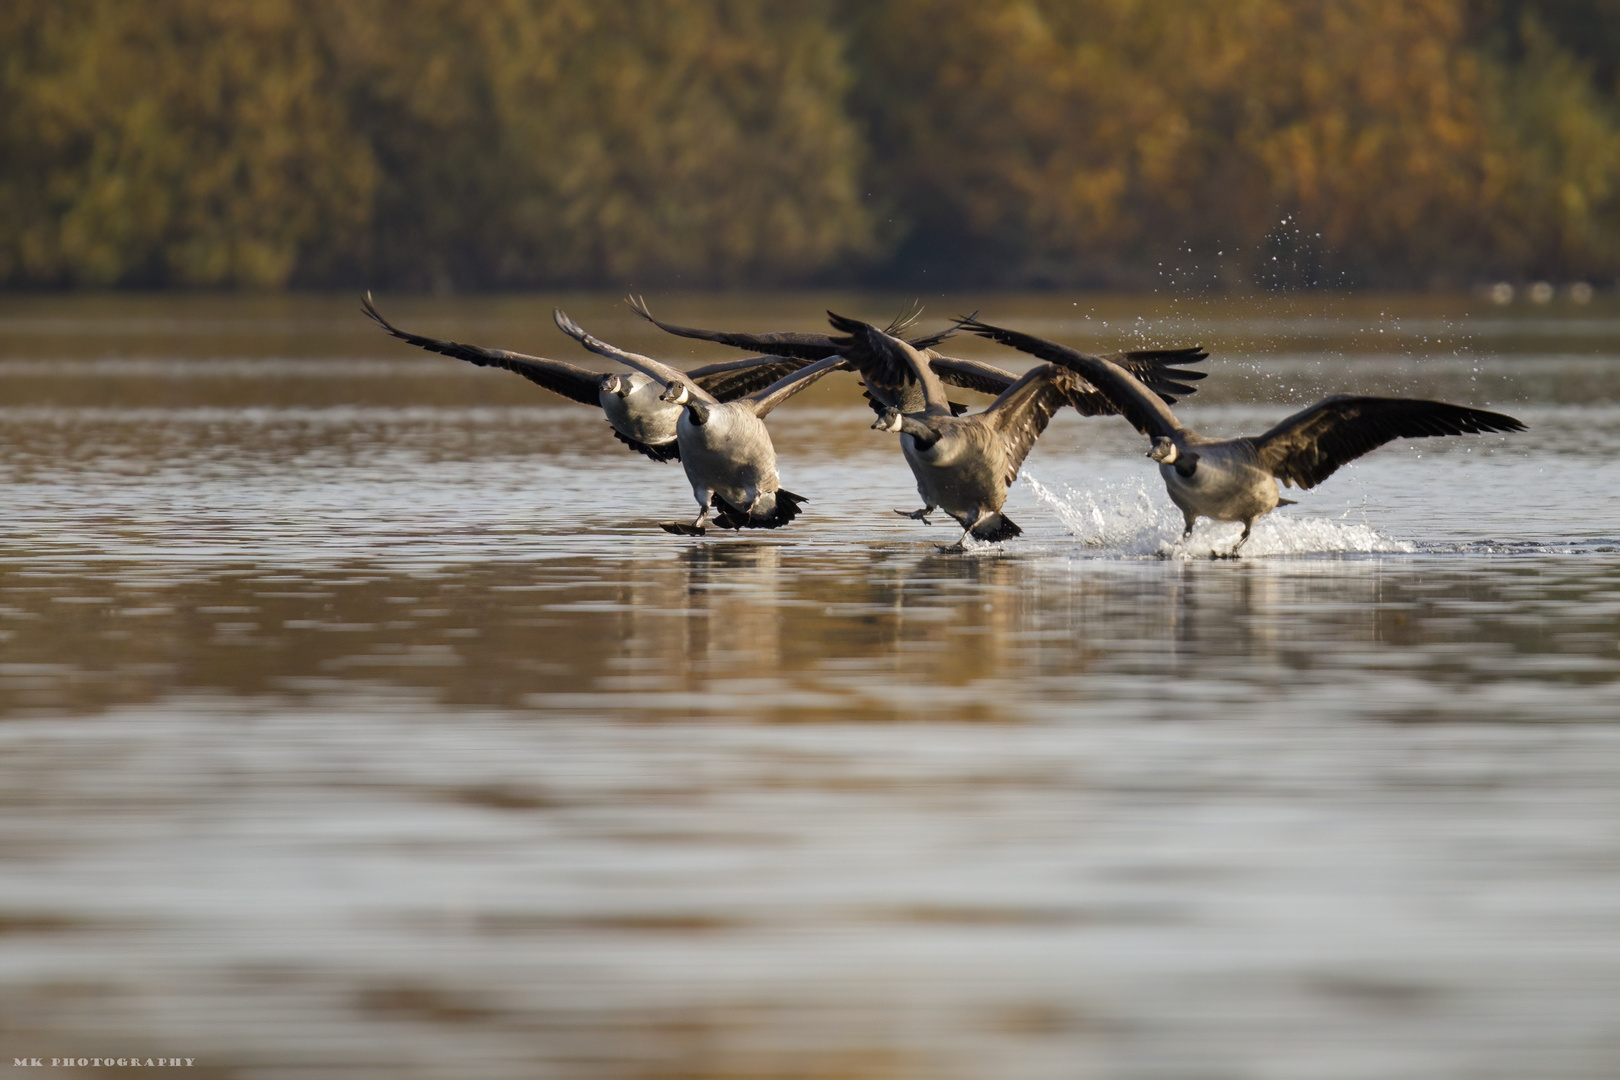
<point x="617" y="385"/>
<point x="1164" y="451"/>
<point x="889" y="421"/>
<point x="678" y="394"/>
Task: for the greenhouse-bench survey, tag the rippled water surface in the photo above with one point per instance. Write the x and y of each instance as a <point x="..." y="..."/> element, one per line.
<point x="357" y="720"/>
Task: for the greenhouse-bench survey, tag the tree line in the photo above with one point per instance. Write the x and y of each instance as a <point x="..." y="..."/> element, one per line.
<point x="435" y="144"/>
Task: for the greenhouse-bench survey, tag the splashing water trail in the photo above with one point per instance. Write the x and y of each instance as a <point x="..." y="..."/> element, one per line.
<point x="1124" y="519"/>
<point x="1119" y="516"/>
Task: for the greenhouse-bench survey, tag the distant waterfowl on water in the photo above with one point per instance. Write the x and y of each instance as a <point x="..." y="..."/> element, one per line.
<point x="631" y="401"/>
<point x="724" y="446"/>
<point x="1237" y="479"/>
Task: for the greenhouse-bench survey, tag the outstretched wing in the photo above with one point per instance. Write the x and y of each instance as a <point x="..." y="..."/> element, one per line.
<point x="808" y="347"/>
<point x="1309" y="446"/>
<point x="971" y="374"/>
<point x="782" y="343"/>
<point x="572" y="382"/>
<point x="1121" y="389"/>
<point x="1024" y="409"/>
<point x="893" y="370"/>
<point x="1156" y="369"/>
<point x="644" y="364"/>
<point x="1152" y="367"/>
<point x="739" y="378"/>
<point x="763" y="401"/>
<point x="912" y="402"/>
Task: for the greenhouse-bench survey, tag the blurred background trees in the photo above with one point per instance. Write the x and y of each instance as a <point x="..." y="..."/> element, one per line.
<point x="513" y="143"/>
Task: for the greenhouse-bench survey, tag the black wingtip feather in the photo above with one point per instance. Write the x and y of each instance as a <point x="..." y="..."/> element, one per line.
<point x="930" y="340"/>
<point x="370" y="309"/>
<point x="844" y="324"/>
<point x="567" y="325"/>
<point x="903" y="321"/>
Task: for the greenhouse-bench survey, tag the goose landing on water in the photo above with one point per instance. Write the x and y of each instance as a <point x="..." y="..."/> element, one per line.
<point x="963" y="464"/>
<point x="631" y="402"/>
<point x="724" y="447"/>
<point x="1236" y="479"/>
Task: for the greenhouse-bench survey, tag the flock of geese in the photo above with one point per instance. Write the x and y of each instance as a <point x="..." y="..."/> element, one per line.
<point x="711" y="418"/>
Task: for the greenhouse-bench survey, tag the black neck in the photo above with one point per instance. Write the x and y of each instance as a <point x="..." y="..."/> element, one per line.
<point x="923" y="435"/>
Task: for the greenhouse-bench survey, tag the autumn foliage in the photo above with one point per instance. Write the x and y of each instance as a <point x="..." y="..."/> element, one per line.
<point x="506" y="143"/>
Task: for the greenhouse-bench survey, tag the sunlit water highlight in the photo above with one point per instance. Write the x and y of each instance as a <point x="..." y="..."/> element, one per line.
<point x="358" y="721"/>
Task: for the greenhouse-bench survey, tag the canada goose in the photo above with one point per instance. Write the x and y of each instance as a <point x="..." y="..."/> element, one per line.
<point x="1153" y="366"/>
<point x="631" y="401"/>
<point x="963" y="464"/>
<point x="724" y="446"/>
<point x="1236" y="479"/>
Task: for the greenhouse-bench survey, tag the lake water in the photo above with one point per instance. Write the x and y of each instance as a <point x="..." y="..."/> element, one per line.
<point x="357" y="720"/>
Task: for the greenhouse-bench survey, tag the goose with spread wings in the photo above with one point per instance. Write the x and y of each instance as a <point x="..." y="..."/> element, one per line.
<point x="963" y="464"/>
<point x="1236" y="479"/>
<point x="1158" y="368"/>
<point x="724" y="447"/>
<point x="631" y="401"/>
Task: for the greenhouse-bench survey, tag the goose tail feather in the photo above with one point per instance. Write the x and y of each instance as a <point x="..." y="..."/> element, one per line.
<point x="732" y="517"/>
<point x="997" y="527"/>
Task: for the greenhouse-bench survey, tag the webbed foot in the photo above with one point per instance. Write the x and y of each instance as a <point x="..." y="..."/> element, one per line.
<point x="1244" y="539"/>
<point x="917" y="515"/>
<point x="681" y="528"/>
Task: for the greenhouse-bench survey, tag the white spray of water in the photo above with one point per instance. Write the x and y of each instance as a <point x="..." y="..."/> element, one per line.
<point x="1125" y="519"/>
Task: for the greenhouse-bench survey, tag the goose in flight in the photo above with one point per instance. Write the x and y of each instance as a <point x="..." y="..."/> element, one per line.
<point x="724" y="447"/>
<point x="1236" y="479"/>
<point x="963" y="464"/>
<point x="1156" y="367"/>
<point x="630" y="401"/>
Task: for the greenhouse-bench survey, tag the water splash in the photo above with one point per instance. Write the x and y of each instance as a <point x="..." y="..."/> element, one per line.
<point x="1126" y="520"/>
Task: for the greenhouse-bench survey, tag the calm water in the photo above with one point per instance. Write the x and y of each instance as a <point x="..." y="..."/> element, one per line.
<point x="356" y="719"/>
